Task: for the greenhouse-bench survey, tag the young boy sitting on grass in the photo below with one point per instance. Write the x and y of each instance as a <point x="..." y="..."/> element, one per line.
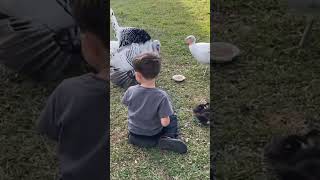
<point x="150" y="114"/>
<point x="76" y="113"/>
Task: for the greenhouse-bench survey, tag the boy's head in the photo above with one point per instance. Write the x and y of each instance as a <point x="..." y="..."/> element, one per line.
<point x="91" y="17"/>
<point x="147" y="66"/>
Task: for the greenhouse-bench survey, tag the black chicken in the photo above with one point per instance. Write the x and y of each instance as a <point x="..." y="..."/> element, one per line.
<point x="202" y="113"/>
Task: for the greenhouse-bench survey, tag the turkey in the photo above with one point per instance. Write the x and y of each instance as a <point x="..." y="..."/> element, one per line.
<point x="122" y="72"/>
<point x="200" y="51"/>
<point x="130" y="43"/>
<point x="39" y="39"/>
<point x="128" y="35"/>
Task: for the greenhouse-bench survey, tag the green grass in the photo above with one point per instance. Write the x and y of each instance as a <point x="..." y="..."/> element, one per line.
<point x="268" y="90"/>
<point x="24" y="154"/>
<point x="170" y="22"/>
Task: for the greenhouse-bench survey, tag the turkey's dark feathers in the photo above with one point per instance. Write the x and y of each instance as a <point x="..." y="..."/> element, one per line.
<point x="133" y="35"/>
<point x="33" y="49"/>
<point x="123" y="79"/>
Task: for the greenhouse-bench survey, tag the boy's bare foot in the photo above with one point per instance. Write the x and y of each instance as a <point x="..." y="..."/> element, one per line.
<point x="171" y="144"/>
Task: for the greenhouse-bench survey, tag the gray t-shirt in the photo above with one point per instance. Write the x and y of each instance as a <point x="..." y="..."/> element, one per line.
<point x="76" y="116"/>
<point x="146" y="107"/>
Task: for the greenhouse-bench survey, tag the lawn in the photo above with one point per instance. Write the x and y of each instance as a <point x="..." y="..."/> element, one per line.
<point x="269" y="90"/>
<point x="23" y="153"/>
<point x="170" y="22"/>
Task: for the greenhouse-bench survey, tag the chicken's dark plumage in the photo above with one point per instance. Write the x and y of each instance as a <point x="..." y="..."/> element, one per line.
<point x="123" y="79"/>
<point x="133" y="35"/>
<point x="202" y="113"/>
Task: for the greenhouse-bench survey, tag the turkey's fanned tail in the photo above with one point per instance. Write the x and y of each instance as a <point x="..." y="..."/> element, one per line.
<point x="123" y="79"/>
<point x="115" y="24"/>
<point x="33" y="49"/>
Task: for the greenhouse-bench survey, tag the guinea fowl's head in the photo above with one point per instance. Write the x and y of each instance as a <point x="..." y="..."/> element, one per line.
<point x="190" y="40"/>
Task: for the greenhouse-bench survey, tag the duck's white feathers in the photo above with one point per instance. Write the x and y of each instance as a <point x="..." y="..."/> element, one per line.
<point x="201" y="52"/>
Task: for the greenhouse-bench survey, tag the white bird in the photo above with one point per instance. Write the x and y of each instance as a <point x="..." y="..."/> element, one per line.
<point x="200" y="51"/>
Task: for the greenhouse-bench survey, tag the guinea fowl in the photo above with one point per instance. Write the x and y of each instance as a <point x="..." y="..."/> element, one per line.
<point x="39" y="39"/>
<point x="131" y="43"/>
<point x="200" y="51"/>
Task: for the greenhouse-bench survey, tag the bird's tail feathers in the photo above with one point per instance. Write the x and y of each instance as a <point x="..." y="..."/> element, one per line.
<point x="123" y="79"/>
<point x="114" y="22"/>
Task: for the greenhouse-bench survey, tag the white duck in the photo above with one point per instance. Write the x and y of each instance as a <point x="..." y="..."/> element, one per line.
<point x="200" y="51"/>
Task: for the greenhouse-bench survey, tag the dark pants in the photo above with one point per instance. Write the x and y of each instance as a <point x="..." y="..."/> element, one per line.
<point x="148" y="141"/>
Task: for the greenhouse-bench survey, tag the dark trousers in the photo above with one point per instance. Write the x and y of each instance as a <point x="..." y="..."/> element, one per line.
<point x="148" y="141"/>
<point x="172" y="129"/>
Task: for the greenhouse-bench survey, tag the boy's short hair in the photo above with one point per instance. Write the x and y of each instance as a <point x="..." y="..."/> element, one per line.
<point x="148" y="64"/>
<point x="91" y="16"/>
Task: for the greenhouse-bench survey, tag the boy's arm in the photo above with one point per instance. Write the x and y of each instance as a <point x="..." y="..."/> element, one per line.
<point x="124" y="99"/>
<point x="47" y="123"/>
<point x="165" y="121"/>
<point x="165" y="110"/>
